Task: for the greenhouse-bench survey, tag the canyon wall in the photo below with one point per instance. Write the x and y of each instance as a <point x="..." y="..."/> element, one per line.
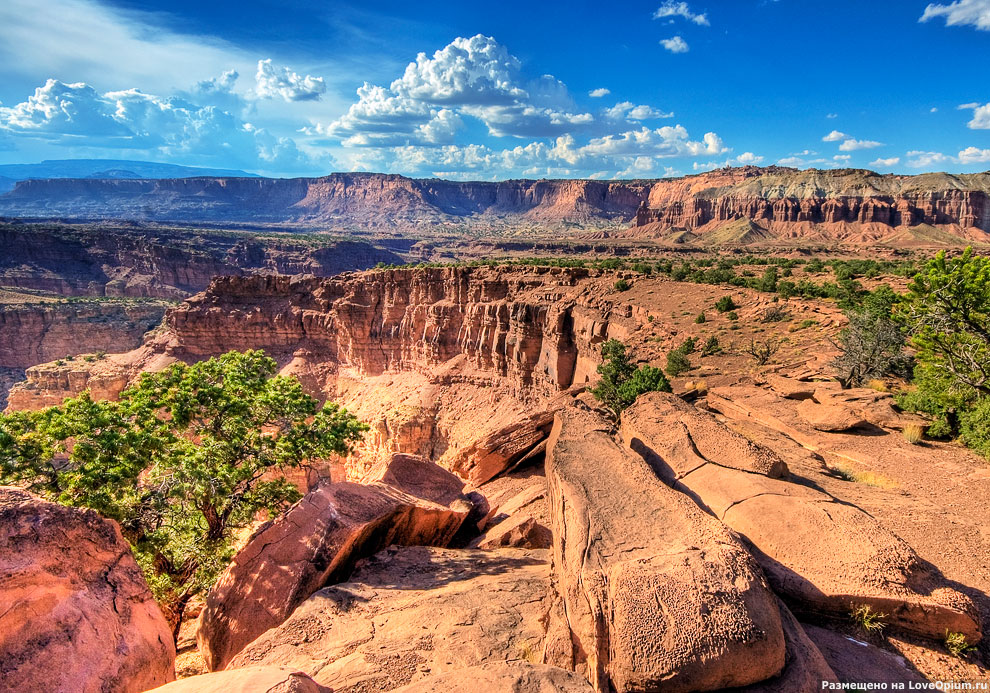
<point x="98" y="260"/>
<point x="771" y="197"/>
<point x="40" y="332"/>
<point x="433" y="359"/>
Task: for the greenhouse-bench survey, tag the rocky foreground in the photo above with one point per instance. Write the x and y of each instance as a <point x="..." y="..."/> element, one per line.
<point x="497" y="531"/>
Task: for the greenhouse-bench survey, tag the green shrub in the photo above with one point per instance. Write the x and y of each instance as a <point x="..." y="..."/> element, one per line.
<point x="622" y="285"/>
<point x="701" y="319"/>
<point x="677" y="363"/>
<point x="732" y="315"/>
<point x="774" y="314"/>
<point x="620" y="382"/>
<point x="711" y="346"/>
<point x="974" y="427"/>
<point x="725" y="304"/>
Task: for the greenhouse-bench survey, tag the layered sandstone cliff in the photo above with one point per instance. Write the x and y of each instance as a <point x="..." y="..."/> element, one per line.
<point x="785" y="201"/>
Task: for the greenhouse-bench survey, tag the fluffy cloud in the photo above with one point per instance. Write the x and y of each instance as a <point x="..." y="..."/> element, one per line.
<point x="885" y="163"/>
<point x="272" y="82"/>
<point x="972" y="155"/>
<point x="853" y="145"/>
<point x="599" y="92"/>
<point x="169" y="128"/>
<point x="475" y="77"/>
<point x="629" y="111"/>
<point x="834" y="136"/>
<point x="927" y="159"/>
<point x="961" y="13"/>
<point x="675" y="44"/>
<point x="744" y="159"/>
<point x="981" y="116"/>
<point x="673" y="9"/>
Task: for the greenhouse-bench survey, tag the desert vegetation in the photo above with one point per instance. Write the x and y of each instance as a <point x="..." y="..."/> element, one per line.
<point x="182" y="461"/>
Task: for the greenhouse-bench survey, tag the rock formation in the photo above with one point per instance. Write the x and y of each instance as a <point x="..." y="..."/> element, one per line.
<point x="846" y="204"/>
<point x="410" y="613"/>
<point x="657" y="594"/>
<point x="820" y="555"/>
<point x="76" y="613"/>
<point x="517" y="677"/>
<point x="317" y="542"/>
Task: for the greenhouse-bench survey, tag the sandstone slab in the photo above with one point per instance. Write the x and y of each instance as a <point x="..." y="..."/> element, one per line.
<point x="855" y="661"/>
<point x="76" y="614"/>
<point x="514" y="677"/>
<point x="829" y="417"/>
<point x="409" y="613"/>
<point x="315" y="543"/>
<point x="658" y="594"/>
<point x="522" y="521"/>
<point x="247" y="680"/>
<point x="820" y="555"/>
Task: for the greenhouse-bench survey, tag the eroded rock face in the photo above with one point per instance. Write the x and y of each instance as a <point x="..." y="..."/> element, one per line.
<point x="658" y="594"/>
<point x="247" y="680"/>
<point x="409" y="613"/>
<point x="820" y="555"/>
<point x="517" y="677"/>
<point x="77" y="614"/>
<point x="522" y="521"/>
<point x="317" y="542"/>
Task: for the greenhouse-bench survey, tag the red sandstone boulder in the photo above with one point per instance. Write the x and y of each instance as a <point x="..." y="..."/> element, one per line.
<point x="317" y="542"/>
<point x="75" y="611"/>
<point x="502" y="449"/>
<point x="247" y="680"/>
<point x="829" y="417"/>
<point x="522" y="521"/>
<point x="658" y="594"/>
<point x="819" y="554"/>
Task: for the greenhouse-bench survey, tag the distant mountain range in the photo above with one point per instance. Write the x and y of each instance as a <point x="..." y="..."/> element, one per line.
<point x="106" y="168"/>
<point x="730" y="206"/>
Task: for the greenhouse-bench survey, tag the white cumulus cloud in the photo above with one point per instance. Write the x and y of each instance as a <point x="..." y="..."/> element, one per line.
<point x="834" y="136"/>
<point x="886" y="163"/>
<point x="854" y="145"/>
<point x="961" y="13"/>
<point x="675" y="44"/>
<point x="281" y="82"/>
<point x="673" y="9"/>
<point x="599" y="92"/>
<point x="981" y="116"/>
<point x="630" y="111"/>
<point x="972" y="155"/>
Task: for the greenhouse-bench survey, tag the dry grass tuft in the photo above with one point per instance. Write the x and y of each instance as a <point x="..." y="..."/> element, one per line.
<point x="863" y="477"/>
<point x="913" y="433"/>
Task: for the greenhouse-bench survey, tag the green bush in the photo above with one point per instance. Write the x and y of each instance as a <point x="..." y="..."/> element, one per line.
<point x="701" y="319"/>
<point x="182" y="461"/>
<point x="711" y="346"/>
<point x="677" y="360"/>
<point x="725" y="304"/>
<point x="620" y="382"/>
<point x="974" y="427"/>
<point x="732" y="315"/>
<point x="622" y="285"/>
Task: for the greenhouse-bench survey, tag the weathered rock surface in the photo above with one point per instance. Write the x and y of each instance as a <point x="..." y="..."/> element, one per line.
<point x="829" y="417"/>
<point x="805" y="668"/>
<point x="268" y="679"/>
<point x="819" y="554"/>
<point x="501" y="449"/>
<point x="410" y="613"/>
<point x="855" y="661"/>
<point x="522" y="521"/>
<point x="76" y="614"/>
<point x="317" y="542"/>
<point x="658" y="594"/>
<point x="507" y="677"/>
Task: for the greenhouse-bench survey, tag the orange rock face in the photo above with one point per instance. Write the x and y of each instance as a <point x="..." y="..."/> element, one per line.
<point x="658" y="594"/>
<point x="77" y="614"/>
<point x="317" y="542"/>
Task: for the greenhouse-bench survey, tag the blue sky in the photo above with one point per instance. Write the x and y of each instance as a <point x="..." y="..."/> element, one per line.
<point x="469" y="90"/>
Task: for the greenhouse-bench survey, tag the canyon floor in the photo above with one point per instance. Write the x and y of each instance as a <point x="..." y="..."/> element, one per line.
<point x="504" y="532"/>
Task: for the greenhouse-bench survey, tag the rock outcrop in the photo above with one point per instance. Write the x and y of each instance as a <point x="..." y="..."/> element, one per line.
<point x="820" y="555"/>
<point x="410" y="613"/>
<point x="658" y="594"/>
<point x="317" y="542"/>
<point x="77" y="614"/>
<point x="268" y="679"/>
